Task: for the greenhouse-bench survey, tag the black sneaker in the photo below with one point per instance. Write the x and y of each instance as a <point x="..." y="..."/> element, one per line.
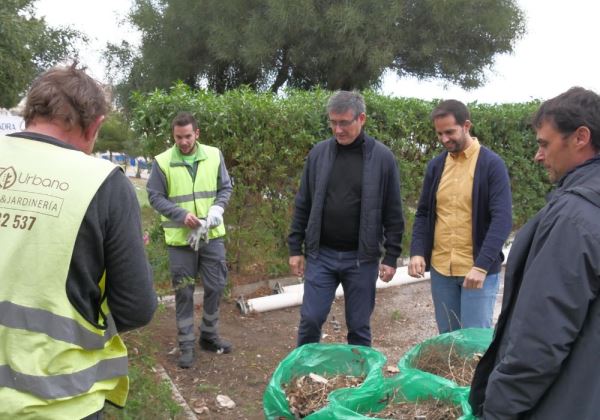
<point x="216" y="345"/>
<point x="186" y="358"/>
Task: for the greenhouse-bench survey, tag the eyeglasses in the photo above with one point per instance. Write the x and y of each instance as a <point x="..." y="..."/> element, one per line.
<point x="342" y="123"/>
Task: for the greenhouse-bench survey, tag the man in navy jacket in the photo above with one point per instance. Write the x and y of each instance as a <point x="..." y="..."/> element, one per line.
<point x="347" y="209"/>
<point x="543" y="361"/>
<point x="462" y="220"/>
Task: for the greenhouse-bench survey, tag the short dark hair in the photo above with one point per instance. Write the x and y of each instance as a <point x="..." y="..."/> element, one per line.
<point x="457" y="109"/>
<point x="343" y="100"/>
<point x="182" y="119"/>
<point x="570" y="110"/>
<point x="67" y="94"/>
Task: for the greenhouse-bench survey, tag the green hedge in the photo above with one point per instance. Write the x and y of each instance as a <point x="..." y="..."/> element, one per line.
<point x="265" y="138"/>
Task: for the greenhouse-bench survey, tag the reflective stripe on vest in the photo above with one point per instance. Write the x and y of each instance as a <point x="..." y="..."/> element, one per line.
<point x="53" y="362"/>
<point x="62" y="386"/>
<point x="195" y="196"/>
<point x="56" y="326"/>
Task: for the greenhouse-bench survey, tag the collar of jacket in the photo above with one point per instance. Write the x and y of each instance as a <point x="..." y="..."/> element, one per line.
<point x="367" y="145"/>
<point x="177" y="157"/>
<point x="576" y="177"/>
<point x="567" y="179"/>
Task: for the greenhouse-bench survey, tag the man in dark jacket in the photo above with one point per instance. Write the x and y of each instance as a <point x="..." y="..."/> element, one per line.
<point x="348" y="208"/>
<point x="542" y="363"/>
<point x="462" y="220"/>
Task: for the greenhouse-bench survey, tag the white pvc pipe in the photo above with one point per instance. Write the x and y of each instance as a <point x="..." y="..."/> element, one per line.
<point x="401" y="277"/>
<point x="299" y="289"/>
<point x="292" y="295"/>
<point x="272" y="302"/>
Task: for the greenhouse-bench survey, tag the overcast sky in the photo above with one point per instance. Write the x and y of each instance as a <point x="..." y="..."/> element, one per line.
<point x="558" y="51"/>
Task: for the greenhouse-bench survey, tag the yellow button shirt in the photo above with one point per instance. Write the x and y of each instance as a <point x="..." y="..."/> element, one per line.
<point x="453" y="239"/>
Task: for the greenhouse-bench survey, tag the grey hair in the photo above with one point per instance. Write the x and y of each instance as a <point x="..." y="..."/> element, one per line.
<point x="343" y="100"/>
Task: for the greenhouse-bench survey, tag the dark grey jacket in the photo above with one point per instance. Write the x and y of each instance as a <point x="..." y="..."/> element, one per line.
<point x="381" y="220"/>
<point x="110" y="238"/>
<point x="543" y="361"/>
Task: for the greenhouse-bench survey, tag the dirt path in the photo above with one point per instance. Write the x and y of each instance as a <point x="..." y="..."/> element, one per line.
<point x="403" y="317"/>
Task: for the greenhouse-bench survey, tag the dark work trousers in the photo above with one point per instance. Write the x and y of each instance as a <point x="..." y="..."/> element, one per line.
<point x="186" y="264"/>
<point x="321" y="277"/>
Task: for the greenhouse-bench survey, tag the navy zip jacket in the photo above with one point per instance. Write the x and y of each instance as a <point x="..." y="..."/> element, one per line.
<point x="491" y="217"/>
<point x="381" y="220"/>
<point x="542" y="363"/>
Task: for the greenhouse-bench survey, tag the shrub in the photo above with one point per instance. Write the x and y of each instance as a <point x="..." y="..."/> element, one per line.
<point x="265" y="139"/>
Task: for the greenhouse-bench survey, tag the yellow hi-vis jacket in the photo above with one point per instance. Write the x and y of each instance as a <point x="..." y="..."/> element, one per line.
<point x="54" y="364"/>
<point x="194" y="195"/>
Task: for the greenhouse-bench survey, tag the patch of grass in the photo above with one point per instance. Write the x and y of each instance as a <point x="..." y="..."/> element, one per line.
<point x="142" y="195"/>
<point x="397" y="315"/>
<point x="254" y="410"/>
<point x="160" y="309"/>
<point x="157" y="250"/>
<point x="207" y="388"/>
<point x="149" y="215"/>
<point x="139" y="184"/>
<point x="149" y="396"/>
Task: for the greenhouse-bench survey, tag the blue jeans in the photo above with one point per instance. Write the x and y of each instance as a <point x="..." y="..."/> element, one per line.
<point x="321" y="277"/>
<point x="456" y="307"/>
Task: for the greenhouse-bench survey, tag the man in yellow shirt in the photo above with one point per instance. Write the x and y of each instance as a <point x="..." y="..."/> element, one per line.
<point x="462" y="220"/>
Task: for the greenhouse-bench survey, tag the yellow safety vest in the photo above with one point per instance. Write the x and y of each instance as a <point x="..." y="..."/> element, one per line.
<point x="194" y="195"/>
<point x="54" y="364"/>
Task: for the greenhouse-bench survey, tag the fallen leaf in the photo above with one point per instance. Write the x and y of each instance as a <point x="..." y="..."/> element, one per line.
<point x="224" y="401"/>
<point x="318" y="378"/>
<point x="200" y="407"/>
<point x="392" y="369"/>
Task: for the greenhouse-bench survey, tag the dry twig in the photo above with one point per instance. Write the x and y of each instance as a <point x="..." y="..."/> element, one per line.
<point x="445" y="361"/>
<point x="305" y="395"/>
<point x="429" y="409"/>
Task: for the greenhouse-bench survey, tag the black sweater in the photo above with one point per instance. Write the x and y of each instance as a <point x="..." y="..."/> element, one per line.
<point x="341" y="212"/>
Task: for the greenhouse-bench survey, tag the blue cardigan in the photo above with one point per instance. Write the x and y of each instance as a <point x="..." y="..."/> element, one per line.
<point x="492" y="210"/>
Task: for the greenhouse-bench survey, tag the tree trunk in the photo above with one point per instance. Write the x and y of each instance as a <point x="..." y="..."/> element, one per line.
<point x="283" y="73"/>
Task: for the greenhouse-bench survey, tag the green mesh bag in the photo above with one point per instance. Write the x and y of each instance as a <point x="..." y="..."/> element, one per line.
<point x="349" y="405"/>
<point x="324" y="360"/>
<point x="465" y="343"/>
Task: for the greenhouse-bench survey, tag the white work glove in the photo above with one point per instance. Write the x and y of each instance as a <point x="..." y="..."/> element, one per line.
<point x="198" y="236"/>
<point x="215" y="216"/>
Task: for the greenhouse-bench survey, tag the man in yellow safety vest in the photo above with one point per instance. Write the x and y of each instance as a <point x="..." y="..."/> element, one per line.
<point x="190" y="187"/>
<point x="73" y="272"/>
